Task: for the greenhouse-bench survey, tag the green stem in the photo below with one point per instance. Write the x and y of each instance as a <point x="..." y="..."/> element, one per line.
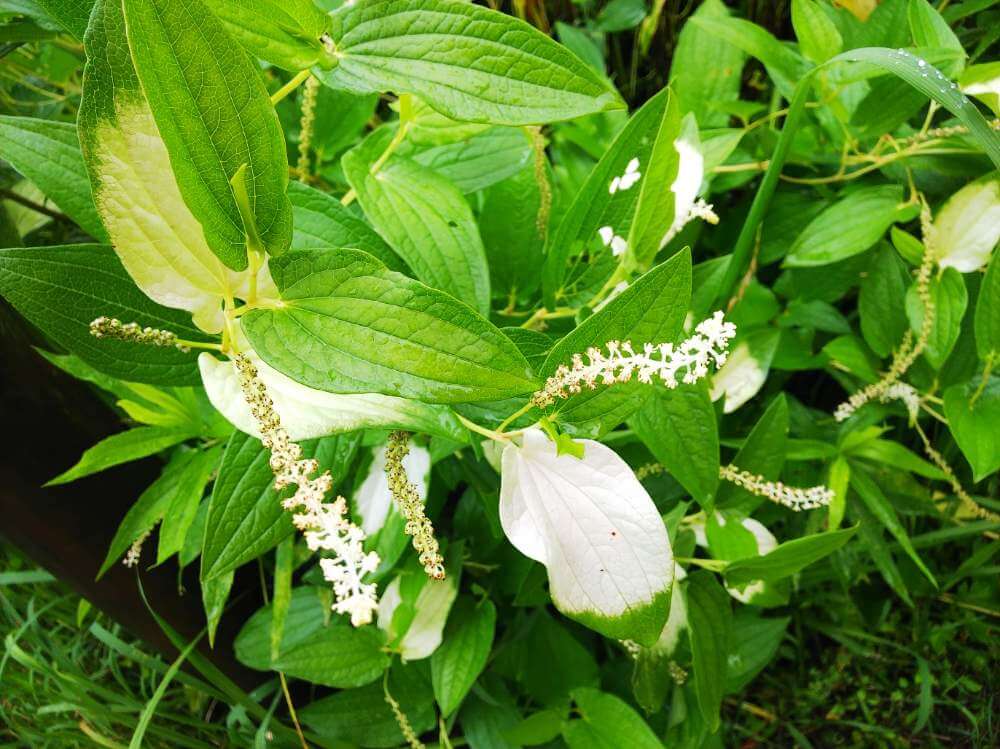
<point x="514" y="416"/>
<point x="987" y="371"/>
<point x="199" y="345"/>
<point x="293" y="84"/>
<point x="474" y="427"/>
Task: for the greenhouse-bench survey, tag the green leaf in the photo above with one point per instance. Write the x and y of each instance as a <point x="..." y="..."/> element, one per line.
<point x="48" y="154"/>
<point x="339" y="656"/>
<point x="756" y="645"/>
<point x="185" y="61"/>
<point x="872" y="539"/>
<point x="706" y="69"/>
<point x="817" y="33"/>
<point x="123" y="447"/>
<point x="425" y="219"/>
<point x="877" y="503"/>
<point x="183" y="507"/>
<point x="306" y="612"/>
<point x="655" y="211"/>
<point x="321" y="221"/>
<point x="950" y="299"/>
<point x="988" y="312"/>
<point x="710" y="622"/>
<point x="929" y="29"/>
<point x="72" y="15"/>
<point x="975" y="424"/>
<point x="62" y="289"/>
<point x="763" y="453"/>
<point x="788" y="558"/>
<point x="514" y="245"/>
<point x="150" y="507"/>
<point x="362" y="716"/>
<point x="466" y="61"/>
<point x="245" y="517"/>
<point x="214" y="595"/>
<point x="620" y="15"/>
<point x="285" y="33"/>
<point x="476" y="162"/>
<point x="606" y="722"/>
<point x="848" y="227"/>
<point x="462" y="655"/>
<point x="651" y="310"/>
<point x="679" y="427"/>
<point x="593" y="206"/>
<point x="784" y="65"/>
<point x="883" y="319"/>
<point x="347" y="324"/>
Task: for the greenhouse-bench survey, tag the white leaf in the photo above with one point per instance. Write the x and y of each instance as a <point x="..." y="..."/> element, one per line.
<point x="306" y="413"/>
<point x="745" y="371"/>
<point x="594" y="527"/>
<point x="967" y="228"/>
<point x="690" y="170"/>
<point x="766" y="543"/>
<point x="372" y="499"/>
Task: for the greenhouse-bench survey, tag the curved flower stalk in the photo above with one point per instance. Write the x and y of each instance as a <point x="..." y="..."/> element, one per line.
<point x="325" y="525"/>
<point x="911" y="348"/>
<point x="910" y="398"/>
<point x="110" y="327"/>
<point x="688" y="362"/>
<point x="411" y="505"/>
<point x="792" y="497"/>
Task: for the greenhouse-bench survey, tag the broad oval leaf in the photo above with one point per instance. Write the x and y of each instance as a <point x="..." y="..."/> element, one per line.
<point x="61" y="290"/>
<point x="457" y="663"/>
<point x="967" y="227"/>
<point x="950" y="299"/>
<point x="214" y="115"/>
<point x="594" y="527"/>
<point x="974" y="424"/>
<point x="988" y="312"/>
<point x="347" y="324"/>
<point x="339" y="656"/>
<point x="466" y="61"/>
<point x="710" y="626"/>
<point x="606" y="720"/>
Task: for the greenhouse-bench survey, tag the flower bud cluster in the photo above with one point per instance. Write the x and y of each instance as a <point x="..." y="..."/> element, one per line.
<point x="325" y="525"/>
<point x="688" y="362"/>
<point x="793" y="497"/>
<point x="135" y="550"/>
<point x="110" y="327"/>
<point x="407" y="498"/>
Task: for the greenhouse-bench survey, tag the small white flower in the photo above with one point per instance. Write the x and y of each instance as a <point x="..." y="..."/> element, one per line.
<point x="629" y="178"/>
<point x="617" y="243"/>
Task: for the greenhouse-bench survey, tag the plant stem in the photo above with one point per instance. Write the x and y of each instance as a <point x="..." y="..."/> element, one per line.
<point x="293" y="84"/>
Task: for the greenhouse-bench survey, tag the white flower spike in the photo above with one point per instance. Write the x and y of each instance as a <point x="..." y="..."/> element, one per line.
<point x="596" y="530"/>
<point x="688" y="362"/>
<point x="629" y="178"/>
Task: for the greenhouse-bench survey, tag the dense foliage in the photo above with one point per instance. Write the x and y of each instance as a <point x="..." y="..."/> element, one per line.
<point x="547" y="422"/>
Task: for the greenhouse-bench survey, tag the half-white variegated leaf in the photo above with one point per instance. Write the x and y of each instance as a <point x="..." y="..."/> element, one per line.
<point x="596" y="530"/>
<point x="745" y="371"/>
<point x="372" y="499"/>
<point x="413" y="611"/>
<point x="306" y="413"/>
<point x="967" y="227"/>
<point x="156" y="237"/>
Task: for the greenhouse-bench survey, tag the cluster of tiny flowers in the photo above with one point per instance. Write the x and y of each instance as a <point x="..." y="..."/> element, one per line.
<point x="629" y="178"/>
<point x="678" y="674"/>
<point x="135" y="550"/>
<point x="617" y="244"/>
<point x="325" y="526"/>
<point x="407" y="498"/>
<point x="905" y="393"/>
<point x="910" y="348"/>
<point x="402" y="721"/>
<point x="699" y="209"/>
<point x="306" y="124"/>
<point x="793" y="497"/>
<point x="110" y="327"/>
<point x="687" y="362"/>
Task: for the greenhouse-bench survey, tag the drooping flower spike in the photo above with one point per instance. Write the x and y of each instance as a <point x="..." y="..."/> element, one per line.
<point x="325" y="525"/>
<point x="687" y="362"/>
<point x="110" y="327"/>
<point x="407" y="498"/>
